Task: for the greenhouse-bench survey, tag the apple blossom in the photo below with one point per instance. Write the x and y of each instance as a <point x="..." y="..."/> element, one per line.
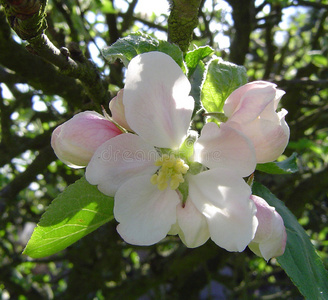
<point x="252" y="110"/>
<point x="270" y="238"/>
<point x="76" y="140"/>
<point x="164" y="180"/>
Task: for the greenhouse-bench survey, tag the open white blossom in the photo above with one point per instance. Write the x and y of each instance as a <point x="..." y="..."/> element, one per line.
<point x="162" y="183"/>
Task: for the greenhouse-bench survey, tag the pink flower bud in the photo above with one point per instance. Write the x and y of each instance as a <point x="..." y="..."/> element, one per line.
<point x="118" y="113"/>
<point x="270" y="238"/>
<point x="252" y="110"/>
<point x="75" y="141"/>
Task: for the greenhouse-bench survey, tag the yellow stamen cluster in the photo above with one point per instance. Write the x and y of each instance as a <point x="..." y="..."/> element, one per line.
<point x="171" y="172"/>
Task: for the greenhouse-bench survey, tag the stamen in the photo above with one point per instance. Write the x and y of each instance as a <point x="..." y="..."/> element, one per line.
<point x="170" y="173"/>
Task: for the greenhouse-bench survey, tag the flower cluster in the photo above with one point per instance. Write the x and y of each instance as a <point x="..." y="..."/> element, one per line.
<point x="165" y="179"/>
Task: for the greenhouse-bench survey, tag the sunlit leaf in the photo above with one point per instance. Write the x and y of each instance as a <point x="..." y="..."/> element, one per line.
<point x="221" y="79"/>
<point x="79" y="210"/>
<point x="107" y="7"/>
<point x="318" y="59"/>
<point x="193" y="57"/>
<point x="128" y="47"/>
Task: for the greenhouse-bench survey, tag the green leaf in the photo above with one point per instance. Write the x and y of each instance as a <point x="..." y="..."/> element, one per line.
<point x="221" y="79"/>
<point x="196" y="79"/>
<point x="300" y="260"/>
<point x="107" y="7"/>
<point x="128" y="47"/>
<point x="286" y="166"/>
<point x="79" y="210"/>
<point x="193" y="57"/>
<point x="318" y="59"/>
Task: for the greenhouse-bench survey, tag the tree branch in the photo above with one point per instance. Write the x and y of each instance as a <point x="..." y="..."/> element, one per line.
<point x="182" y="21"/>
<point x="31" y="28"/>
<point x="21" y="181"/>
<point x="243" y="14"/>
<point x="36" y="72"/>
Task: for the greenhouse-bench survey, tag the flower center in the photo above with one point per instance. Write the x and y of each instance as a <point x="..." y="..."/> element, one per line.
<point x="171" y="172"/>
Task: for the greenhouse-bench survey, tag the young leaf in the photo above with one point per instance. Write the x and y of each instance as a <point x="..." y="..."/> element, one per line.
<point x="221" y="79"/>
<point x="286" y="166"/>
<point x="300" y="260"/>
<point x="128" y="47"/>
<point x="79" y="210"/>
<point x="196" y="79"/>
<point x="193" y="57"/>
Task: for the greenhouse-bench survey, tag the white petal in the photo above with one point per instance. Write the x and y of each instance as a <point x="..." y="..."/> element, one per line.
<point x="156" y="101"/>
<point x="224" y="199"/>
<point x="118" y="160"/>
<point x="145" y="214"/>
<point x="225" y="148"/>
<point x="193" y="225"/>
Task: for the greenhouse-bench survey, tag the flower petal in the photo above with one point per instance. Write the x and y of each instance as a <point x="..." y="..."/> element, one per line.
<point x="118" y="160"/>
<point x="224" y="199"/>
<point x="193" y="225"/>
<point x="251" y="109"/>
<point x="145" y="213"/>
<point x="225" y="148"/>
<point x="269" y="139"/>
<point x="117" y="109"/>
<point x="275" y="246"/>
<point x="76" y="140"/>
<point x="270" y="237"/>
<point x="248" y="101"/>
<point x="156" y="101"/>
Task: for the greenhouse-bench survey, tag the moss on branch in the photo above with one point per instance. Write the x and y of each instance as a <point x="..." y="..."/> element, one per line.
<point x="182" y="21"/>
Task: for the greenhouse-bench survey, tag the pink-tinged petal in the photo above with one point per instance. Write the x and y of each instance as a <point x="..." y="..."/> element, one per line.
<point x="250" y="99"/>
<point x="118" y="112"/>
<point x="145" y="213"/>
<point x="76" y="140"/>
<point x="269" y="112"/>
<point x="270" y="238"/>
<point x="251" y="109"/>
<point x="224" y="199"/>
<point x="269" y="139"/>
<point x="156" y="101"/>
<point x="120" y="159"/>
<point x="225" y="148"/>
<point x="193" y="225"/>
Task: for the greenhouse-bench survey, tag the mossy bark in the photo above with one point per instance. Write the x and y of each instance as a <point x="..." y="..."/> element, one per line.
<point x="182" y="21"/>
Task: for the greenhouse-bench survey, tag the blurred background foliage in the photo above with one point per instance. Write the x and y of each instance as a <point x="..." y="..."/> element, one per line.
<point x="282" y="41"/>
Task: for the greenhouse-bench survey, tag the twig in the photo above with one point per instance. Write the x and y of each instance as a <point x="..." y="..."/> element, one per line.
<point x="31" y="28"/>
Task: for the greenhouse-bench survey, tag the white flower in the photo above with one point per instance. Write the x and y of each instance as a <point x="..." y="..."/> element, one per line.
<point x="252" y="110"/>
<point x="163" y="185"/>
